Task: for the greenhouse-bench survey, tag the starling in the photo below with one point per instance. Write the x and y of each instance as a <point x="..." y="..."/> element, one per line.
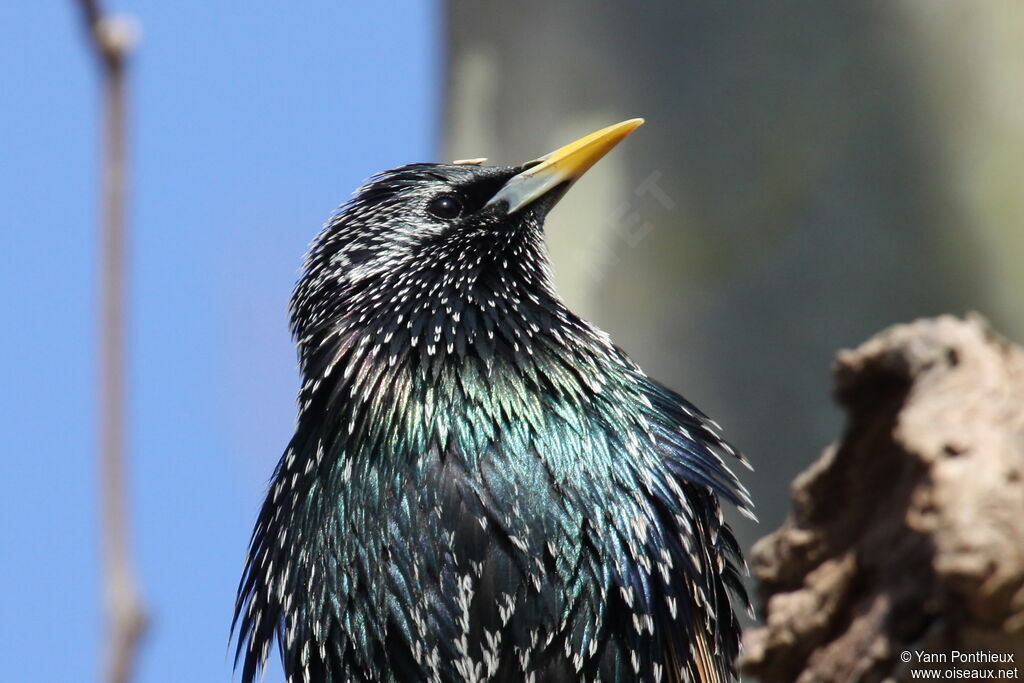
<point x="481" y="486"/>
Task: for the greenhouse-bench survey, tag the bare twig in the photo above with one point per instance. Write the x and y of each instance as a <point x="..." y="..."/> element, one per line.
<point x="112" y="40"/>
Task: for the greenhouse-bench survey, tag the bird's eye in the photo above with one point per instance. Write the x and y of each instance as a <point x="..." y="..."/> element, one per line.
<point x="445" y="206"/>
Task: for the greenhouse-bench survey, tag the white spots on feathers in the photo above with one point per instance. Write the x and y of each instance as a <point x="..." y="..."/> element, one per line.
<point x="469" y="670"/>
<point x="506" y="607"/>
<point x="381" y="299"/>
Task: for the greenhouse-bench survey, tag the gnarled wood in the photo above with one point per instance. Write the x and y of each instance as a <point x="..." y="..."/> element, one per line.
<point x="908" y="534"/>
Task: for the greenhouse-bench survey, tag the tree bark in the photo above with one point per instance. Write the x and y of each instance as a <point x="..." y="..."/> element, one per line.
<point x="906" y="537"/>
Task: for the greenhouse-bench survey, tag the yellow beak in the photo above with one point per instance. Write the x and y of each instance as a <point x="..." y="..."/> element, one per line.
<point x="564" y="166"/>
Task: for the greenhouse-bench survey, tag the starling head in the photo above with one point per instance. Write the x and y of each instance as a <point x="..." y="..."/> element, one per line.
<point x="428" y="232"/>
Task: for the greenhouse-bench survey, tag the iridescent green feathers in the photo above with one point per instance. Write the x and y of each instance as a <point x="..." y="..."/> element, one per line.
<point x="480" y="486"/>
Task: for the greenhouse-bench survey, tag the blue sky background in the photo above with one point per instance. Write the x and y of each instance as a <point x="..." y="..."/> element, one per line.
<point x="250" y="124"/>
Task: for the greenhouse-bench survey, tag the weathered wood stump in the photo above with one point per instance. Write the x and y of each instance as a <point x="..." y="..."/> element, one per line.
<point x="907" y="536"/>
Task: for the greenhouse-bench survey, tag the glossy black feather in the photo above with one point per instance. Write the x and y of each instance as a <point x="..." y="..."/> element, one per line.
<point x="480" y="485"/>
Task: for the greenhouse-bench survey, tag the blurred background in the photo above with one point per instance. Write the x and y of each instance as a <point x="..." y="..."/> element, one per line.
<point x="809" y="174"/>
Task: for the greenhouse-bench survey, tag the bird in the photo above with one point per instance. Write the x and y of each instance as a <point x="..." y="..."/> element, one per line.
<point x="481" y="486"/>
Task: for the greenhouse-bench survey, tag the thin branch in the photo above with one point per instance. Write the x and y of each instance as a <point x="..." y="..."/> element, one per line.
<point x="112" y="40"/>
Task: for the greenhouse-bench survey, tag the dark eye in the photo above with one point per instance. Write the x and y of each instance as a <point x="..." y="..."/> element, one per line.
<point x="445" y="206"/>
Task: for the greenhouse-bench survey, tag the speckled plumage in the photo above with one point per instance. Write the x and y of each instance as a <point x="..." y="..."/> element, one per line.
<point x="481" y="486"/>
